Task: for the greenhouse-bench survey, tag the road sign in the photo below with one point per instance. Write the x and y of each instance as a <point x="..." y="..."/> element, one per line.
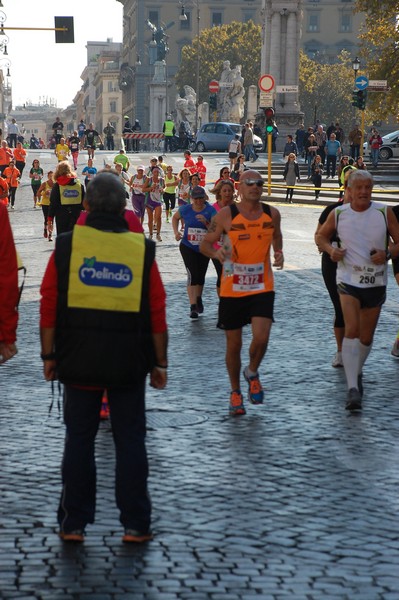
<point x="361" y="82"/>
<point x="225" y="84"/>
<point x="266" y="83"/>
<point x="378" y="85"/>
<point x="266" y="99"/>
<point x="287" y="89"/>
<point x="213" y="86"/>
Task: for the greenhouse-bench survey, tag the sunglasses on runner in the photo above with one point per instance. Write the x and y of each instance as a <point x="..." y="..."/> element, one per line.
<point x="257" y="182"/>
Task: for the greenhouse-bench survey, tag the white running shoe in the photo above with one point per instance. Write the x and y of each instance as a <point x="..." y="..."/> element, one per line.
<point x="337" y="360"/>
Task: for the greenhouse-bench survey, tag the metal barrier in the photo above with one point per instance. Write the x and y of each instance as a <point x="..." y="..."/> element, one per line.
<point x="153" y="141"/>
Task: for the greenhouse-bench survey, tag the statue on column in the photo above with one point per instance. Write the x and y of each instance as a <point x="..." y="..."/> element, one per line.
<point x="159" y="36"/>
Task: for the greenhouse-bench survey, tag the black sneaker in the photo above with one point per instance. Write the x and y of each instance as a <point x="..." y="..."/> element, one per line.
<point x="354" y="401"/>
<point x="200" y="306"/>
<point x="77" y="536"/>
<point x="193" y="312"/>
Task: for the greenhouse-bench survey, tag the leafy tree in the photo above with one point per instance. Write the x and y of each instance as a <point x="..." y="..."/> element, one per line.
<point x="325" y="91"/>
<point x="380" y="51"/>
<point x="240" y="43"/>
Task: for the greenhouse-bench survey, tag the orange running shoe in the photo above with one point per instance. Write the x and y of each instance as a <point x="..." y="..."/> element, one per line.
<point x="255" y="390"/>
<point x="236" y="404"/>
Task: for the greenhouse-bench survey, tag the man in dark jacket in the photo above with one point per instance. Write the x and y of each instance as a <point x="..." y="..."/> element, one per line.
<point x="102" y="327"/>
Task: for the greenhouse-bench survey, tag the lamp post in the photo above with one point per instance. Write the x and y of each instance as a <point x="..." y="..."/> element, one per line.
<point x="183" y="17"/>
<point x="355" y="67"/>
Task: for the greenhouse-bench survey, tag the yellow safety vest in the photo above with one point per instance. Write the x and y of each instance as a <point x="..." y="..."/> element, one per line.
<point x="71" y="194"/>
<point x="112" y="278"/>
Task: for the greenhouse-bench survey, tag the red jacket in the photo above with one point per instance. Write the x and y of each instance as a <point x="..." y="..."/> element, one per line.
<point x="8" y="281"/>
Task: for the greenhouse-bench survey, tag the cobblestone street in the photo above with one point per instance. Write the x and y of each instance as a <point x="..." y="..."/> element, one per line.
<point x="296" y="500"/>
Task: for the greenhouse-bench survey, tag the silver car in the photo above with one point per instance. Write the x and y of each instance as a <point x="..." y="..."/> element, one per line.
<point x="218" y="135"/>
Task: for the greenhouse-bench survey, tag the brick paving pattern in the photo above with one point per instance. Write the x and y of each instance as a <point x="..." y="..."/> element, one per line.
<point x="296" y="500"/>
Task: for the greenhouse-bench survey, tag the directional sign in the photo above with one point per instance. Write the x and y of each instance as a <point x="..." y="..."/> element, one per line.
<point x="378" y="85"/>
<point x="213" y="86"/>
<point x="287" y="89"/>
<point x="361" y="82"/>
<point x="225" y="84"/>
<point x="266" y="83"/>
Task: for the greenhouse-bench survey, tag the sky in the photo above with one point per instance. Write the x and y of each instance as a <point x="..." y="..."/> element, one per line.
<point x="41" y="69"/>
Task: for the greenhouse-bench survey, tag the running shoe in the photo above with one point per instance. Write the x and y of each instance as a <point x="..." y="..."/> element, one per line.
<point x="200" y="306"/>
<point x="193" y="312"/>
<point x="337" y="360"/>
<point x="167" y="218"/>
<point x="77" y="535"/>
<point x="236" y="404"/>
<point x="354" y="400"/>
<point x="159" y="237"/>
<point x="395" y="349"/>
<point x="45" y="233"/>
<point x="255" y="390"/>
<point x="136" y="537"/>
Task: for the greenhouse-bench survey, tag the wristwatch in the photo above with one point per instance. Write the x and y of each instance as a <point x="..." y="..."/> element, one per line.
<point x="388" y="255"/>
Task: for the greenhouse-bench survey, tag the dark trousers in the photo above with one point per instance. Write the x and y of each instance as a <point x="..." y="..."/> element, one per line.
<point x="82" y="417"/>
<point x="110" y="142"/>
<point x="13" y="140"/>
<point x="331" y="165"/>
<point x="355" y="151"/>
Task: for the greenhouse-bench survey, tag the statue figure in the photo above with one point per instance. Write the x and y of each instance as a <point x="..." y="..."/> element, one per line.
<point x="234" y="99"/>
<point x="224" y="81"/>
<point x="160" y="37"/>
<point x="185" y="107"/>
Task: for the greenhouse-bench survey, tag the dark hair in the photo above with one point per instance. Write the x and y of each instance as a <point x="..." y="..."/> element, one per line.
<point x="106" y="193"/>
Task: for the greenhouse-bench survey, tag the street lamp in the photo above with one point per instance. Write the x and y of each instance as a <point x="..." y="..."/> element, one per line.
<point x="6" y="64"/>
<point x="183" y="17"/>
<point x="355" y="66"/>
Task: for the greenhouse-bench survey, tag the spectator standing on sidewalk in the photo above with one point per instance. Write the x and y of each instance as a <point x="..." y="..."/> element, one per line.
<point x="333" y="150"/>
<point x="355" y="139"/>
<point x="300" y="138"/>
<point x="130" y="321"/>
<point x="291" y="176"/>
<point x="13" y="133"/>
<point x="321" y="139"/>
<point x="251" y="229"/>
<point x="169" y="132"/>
<point x="375" y="142"/>
<point x="8" y="289"/>
<point x="317" y="173"/>
<point x="249" y="150"/>
<point x="290" y="147"/>
<point x="109" y="132"/>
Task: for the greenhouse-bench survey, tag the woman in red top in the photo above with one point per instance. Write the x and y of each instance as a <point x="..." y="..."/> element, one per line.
<point x="12" y="174"/>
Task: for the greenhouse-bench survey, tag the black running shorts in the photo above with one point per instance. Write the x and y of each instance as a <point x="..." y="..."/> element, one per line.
<point x="234" y="313"/>
<point x="368" y="297"/>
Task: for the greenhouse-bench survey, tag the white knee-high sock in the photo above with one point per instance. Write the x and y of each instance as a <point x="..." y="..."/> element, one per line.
<point x="350" y="359"/>
<point x="364" y="351"/>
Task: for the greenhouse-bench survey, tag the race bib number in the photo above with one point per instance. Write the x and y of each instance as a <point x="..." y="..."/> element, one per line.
<point x="248" y="278"/>
<point x="368" y="275"/>
<point x="195" y="235"/>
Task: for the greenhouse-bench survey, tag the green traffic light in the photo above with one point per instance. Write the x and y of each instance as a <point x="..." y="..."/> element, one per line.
<point x="269" y="129"/>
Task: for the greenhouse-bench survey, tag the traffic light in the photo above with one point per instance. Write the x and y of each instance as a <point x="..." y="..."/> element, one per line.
<point x="269" y="115"/>
<point x="213" y="103"/>
<point x="359" y="99"/>
<point x="64" y="37"/>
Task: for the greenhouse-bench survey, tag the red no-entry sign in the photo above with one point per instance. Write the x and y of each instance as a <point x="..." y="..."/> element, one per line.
<point x="213" y="86"/>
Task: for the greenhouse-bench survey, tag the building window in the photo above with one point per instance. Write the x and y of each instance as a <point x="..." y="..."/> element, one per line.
<point x="187" y="23"/>
<point x="313" y="22"/>
<point x="110" y="86"/>
<point x="346" y="22"/>
<point x="153" y="16"/>
<point x="112" y="106"/>
<point x="248" y="15"/>
<point x="216" y="19"/>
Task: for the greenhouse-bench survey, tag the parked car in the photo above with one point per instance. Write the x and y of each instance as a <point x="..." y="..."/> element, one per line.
<point x="218" y="135"/>
<point x="389" y="148"/>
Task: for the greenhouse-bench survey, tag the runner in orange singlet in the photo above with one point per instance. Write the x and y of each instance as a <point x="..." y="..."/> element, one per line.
<point x="250" y="228"/>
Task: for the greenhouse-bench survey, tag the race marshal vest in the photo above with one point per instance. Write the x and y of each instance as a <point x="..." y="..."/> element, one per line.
<point x="169" y="125"/>
<point x="98" y="277"/>
<point x="71" y="194"/>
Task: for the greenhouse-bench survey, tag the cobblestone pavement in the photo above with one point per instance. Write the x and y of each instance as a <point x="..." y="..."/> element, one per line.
<point x="296" y="500"/>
